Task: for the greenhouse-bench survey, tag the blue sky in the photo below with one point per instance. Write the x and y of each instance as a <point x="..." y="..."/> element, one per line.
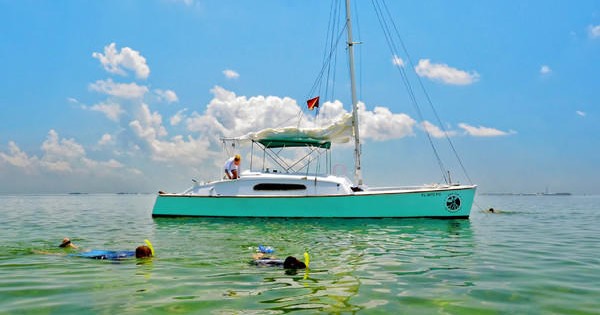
<point x="132" y="96"/>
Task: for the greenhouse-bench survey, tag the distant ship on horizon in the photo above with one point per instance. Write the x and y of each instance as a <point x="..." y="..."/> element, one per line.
<point x="548" y="193"/>
<point x="527" y="194"/>
<point x="555" y="194"/>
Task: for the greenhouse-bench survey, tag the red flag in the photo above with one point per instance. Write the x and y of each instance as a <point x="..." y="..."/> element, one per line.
<point x="312" y="103"/>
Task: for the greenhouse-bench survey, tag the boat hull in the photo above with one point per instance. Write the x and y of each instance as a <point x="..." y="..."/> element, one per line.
<point x="452" y="202"/>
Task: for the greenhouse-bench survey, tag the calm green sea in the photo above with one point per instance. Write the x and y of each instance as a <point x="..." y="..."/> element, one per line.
<point x="539" y="255"/>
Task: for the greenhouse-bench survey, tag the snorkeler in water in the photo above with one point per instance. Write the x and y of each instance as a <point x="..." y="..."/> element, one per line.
<point x="143" y="251"/>
<point x="290" y="262"/>
<point x="263" y="257"/>
<point x="492" y="210"/>
<point x="66" y="243"/>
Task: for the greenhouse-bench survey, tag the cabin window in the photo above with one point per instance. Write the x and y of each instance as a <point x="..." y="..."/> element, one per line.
<point x="276" y="186"/>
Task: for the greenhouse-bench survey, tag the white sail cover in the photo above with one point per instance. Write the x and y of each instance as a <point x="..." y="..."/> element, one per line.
<point x="338" y="132"/>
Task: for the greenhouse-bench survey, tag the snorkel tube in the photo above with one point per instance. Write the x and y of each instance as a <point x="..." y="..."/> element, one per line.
<point x="306" y="262"/>
<point x="150" y="245"/>
<point x="306" y="259"/>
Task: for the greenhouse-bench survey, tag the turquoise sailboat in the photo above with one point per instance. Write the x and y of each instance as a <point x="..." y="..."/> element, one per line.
<point x="292" y="190"/>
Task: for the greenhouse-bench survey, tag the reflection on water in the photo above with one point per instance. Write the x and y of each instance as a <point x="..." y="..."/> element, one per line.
<point x="533" y="256"/>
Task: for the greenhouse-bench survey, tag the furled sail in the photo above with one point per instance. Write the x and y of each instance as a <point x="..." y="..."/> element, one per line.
<point x="338" y="132"/>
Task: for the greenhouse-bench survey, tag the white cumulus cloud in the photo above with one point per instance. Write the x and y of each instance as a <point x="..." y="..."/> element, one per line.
<point x="444" y="73"/>
<point x="231" y="115"/>
<point x="111" y="164"/>
<point x="148" y="125"/>
<point x="594" y="31"/>
<point x="18" y="158"/>
<point x="105" y="139"/>
<point x="178" y="117"/>
<point x="182" y="150"/>
<point x="60" y="153"/>
<point x="381" y="124"/>
<point x="111" y="110"/>
<point x="117" y="62"/>
<point x="483" y="131"/>
<point x="436" y="131"/>
<point x="168" y="96"/>
<point x="59" y="156"/>
<point x="230" y="74"/>
<point x="397" y="61"/>
<point x="545" y="69"/>
<point x="120" y="90"/>
<point x="54" y="147"/>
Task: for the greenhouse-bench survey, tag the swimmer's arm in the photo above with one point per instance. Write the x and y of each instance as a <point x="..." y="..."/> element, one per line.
<point x="35" y="251"/>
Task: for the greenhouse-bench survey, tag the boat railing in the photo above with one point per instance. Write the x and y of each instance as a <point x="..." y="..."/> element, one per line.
<point x="247" y="173"/>
<point x="309" y="162"/>
<point x="274" y="153"/>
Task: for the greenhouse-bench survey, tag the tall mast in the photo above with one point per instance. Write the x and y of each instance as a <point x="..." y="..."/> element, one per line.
<point x="357" y="172"/>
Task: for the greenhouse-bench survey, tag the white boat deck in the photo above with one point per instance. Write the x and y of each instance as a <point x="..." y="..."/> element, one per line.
<point x="279" y="184"/>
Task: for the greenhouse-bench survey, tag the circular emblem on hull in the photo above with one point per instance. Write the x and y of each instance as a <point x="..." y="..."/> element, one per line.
<point x="453" y="203"/>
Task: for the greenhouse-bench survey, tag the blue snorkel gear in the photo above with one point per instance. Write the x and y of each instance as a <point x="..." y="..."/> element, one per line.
<point x="266" y="249"/>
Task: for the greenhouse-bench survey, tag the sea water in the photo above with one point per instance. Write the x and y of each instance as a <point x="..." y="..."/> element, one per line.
<point x="535" y="255"/>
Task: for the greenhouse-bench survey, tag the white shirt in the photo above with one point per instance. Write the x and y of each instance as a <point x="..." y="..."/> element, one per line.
<point x="230" y="166"/>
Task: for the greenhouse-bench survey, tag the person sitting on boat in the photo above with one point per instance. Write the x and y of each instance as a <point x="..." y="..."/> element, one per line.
<point x="232" y="167"/>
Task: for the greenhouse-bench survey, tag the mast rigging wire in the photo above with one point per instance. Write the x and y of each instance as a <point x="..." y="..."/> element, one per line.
<point x="393" y="48"/>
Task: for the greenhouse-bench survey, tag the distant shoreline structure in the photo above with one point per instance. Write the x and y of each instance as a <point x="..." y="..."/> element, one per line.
<point x="527" y="194"/>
